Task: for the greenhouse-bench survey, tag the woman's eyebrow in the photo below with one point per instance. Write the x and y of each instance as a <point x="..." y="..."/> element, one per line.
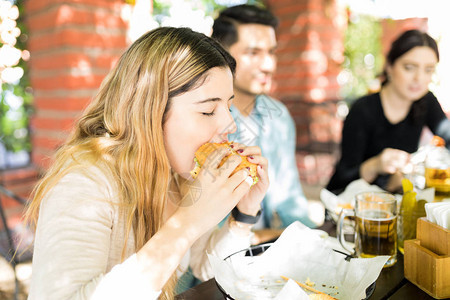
<point x="208" y="100"/>
<point x="214" y="99"/>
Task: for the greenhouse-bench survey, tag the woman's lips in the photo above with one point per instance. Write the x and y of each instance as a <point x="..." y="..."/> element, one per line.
<point x="415" y="89"/>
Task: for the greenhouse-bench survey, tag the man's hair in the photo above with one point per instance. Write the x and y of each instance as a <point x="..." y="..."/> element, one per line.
<point x="225" y="25"/>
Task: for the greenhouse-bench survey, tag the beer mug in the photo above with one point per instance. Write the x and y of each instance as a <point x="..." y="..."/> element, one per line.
<point x="437" y="172"/>
<point x="375" y="216"/>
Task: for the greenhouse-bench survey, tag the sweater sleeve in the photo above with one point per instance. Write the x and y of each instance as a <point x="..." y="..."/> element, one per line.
<point x="73" y="239"/>
<point x="355" y="135"/>
<point x="220" y="242"/>
<point x="436" y="120"/>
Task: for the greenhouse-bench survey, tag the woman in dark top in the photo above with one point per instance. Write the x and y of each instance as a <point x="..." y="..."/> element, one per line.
<point x="382" y="129"/>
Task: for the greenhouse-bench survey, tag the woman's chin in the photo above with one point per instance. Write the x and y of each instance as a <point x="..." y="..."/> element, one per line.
<point x="185" y="174"/>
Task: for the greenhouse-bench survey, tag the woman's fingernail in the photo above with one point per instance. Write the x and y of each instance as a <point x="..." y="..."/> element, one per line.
<point x="231" y="145"/>
<point x="251" y="157"/>
<point x="240" y="151"/>
<point x="249" y="180"/>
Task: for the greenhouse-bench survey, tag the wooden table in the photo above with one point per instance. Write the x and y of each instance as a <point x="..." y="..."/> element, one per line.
<point x="391" y="284"/>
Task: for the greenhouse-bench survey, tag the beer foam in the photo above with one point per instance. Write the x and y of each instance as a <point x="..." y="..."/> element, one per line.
<point x="373" y="215"/>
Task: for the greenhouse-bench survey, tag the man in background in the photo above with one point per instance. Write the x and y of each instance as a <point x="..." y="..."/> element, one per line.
<point x="248" y="33"/>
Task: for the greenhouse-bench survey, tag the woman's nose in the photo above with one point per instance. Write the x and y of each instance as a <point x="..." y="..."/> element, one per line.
<point x="422" y="76"/>
<point x="227" y="124"/>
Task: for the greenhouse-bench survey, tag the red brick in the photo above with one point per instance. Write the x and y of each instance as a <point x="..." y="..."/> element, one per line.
<point x="18" y="174"/>
<point x="273" y="4"/>
<point x="48" y="123"/>
<point x="298" y="6"/>
<point x="73" y="60"/>
<point x="391" y="29"/>
<point x="59" y="60"/>
<point x="32" y="6"/>
<point x="10" y="204"/>
<point x="63" y="104"/>
<point x="19" y="181"/>
<point x="41" y="158"/>
<point x="107" y="61"/>
<point x="76" y="15"/>
<point x="67" y="82"/>
<point x="76" y="38"/>
<point x="302" y="139"/>
<point x="47" y="143"/>
<point x="327" y="42"/>
<point x="21" y="189"/>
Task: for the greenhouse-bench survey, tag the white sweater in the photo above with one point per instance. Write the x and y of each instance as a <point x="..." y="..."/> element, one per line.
<point x="79" y="240"/>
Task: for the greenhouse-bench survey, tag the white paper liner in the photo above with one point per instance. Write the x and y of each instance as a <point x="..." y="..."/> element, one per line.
<point x="299" y="254"/>
<point x="334" y="203"/>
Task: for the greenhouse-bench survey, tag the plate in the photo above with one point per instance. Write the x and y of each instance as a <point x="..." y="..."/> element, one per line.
<point x="259" y="249"/>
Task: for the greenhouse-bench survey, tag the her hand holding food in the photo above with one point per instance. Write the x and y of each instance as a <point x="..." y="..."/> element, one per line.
<point x="221" y="170"/>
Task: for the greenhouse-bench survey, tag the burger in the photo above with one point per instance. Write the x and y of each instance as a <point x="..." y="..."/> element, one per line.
<point x="206" y="149"/>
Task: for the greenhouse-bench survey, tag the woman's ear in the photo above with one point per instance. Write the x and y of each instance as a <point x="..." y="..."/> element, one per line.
<point x="388" y="71"/>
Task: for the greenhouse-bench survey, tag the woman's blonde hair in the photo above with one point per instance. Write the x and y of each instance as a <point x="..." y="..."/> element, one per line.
<point x="123" y="126"/>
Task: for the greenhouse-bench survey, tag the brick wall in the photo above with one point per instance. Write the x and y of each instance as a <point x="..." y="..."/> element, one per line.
<point x="20" y="182"/>
<point x="391" y="29"/>
<point x="310" y="51"/>
<point x="73" y="45"/>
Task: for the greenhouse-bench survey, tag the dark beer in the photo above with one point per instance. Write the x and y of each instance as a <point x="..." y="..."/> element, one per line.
<point x="376" y="234"/>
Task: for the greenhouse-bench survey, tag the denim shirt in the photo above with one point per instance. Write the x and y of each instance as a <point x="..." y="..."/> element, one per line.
<point x="275" y="134"/>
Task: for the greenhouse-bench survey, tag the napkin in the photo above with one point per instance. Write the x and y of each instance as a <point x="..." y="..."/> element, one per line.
<point x="299" y="254"/>
<point x="334" y="204"/>
<point x="438" y="213"/>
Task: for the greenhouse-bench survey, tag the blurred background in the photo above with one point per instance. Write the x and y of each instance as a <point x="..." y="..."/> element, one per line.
<point x="54" y="55"/>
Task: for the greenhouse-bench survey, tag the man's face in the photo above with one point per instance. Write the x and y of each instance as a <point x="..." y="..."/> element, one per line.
<point x="255" y="58"/>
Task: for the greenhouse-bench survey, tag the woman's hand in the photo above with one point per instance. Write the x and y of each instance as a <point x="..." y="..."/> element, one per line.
<point x="204" y="203"/>
<point x="212" y="195"/>
<point x="250" y="203"/>
<point x="392" y="161"/>
<point x="389" y="161"/>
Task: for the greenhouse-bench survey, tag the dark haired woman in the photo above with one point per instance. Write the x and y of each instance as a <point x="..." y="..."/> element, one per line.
<point x="382" y="129"/>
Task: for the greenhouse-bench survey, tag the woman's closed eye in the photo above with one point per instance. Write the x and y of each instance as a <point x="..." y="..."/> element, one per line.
<point x="409" y="67"/>
<point x="429" y="70"/>
<point x="208" y="114"/>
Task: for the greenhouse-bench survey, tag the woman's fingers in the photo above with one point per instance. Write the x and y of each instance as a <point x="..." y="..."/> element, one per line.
<point x="393" y="160"/>
<point x="240" y="182"/>
<point x="211" y="166"/>
<point x="246" y="150"/>
<point x="258" y="160"/>
<point x="263" y="175"/>
<point x="239" y="177"/>
<point x="229" y="165"/>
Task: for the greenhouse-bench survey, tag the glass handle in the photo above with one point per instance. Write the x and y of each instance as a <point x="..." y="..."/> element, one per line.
<point x="340" y="229"/>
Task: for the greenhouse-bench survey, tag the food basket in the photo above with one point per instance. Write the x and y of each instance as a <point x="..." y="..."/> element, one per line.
<point x="259" y="249"/>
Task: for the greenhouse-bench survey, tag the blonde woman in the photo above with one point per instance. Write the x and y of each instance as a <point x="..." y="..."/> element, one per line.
<point x="115" y="216"/>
